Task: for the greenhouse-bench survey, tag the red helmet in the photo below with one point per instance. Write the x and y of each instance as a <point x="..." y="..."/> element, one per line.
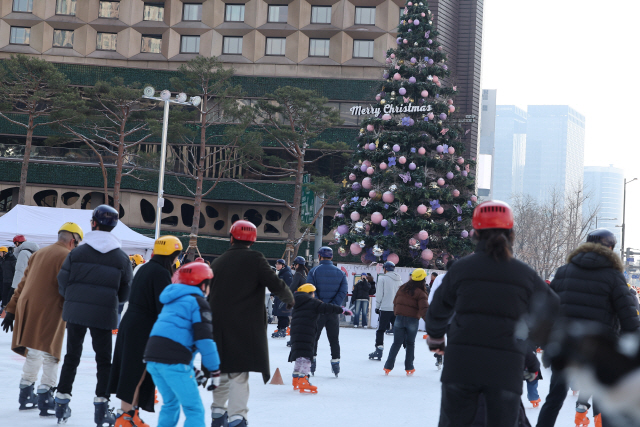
<point x="19" y="239"/>
<point x="492" y="214"/>
<point x="244" y="230"/>
<point x="199" y="259"/>
<point x="193" y="274"/>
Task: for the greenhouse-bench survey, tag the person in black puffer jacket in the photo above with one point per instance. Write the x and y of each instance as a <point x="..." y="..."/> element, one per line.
<point x="304" y="326"/>
<point x="360" y="297"/>
<point x="280" y="309"/>
<point x="95" y="277"/>
<point x="6" y="279"/>
<point x="592" y="288"/>
<point x="490" y="292"/>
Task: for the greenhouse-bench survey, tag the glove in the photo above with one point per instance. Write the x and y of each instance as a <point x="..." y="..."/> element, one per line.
<point x="435" y="344"/>
<point x="530" y="376"/>
<point x="377" y="311"/>
<point x="201" y="378"/>
<point x="347" y="312"/>
<point x="7" y="323"/>
<point x="215" y="380"/>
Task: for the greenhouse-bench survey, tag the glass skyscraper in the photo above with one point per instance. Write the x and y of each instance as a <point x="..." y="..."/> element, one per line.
<point x="509" y="150"/>
<point x="604" y="187"/>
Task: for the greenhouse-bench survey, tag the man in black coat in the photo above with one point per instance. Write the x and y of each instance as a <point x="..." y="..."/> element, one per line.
<point x="592" y="288"/>
<point x="94" y="279"/>
<point x="6" y="279"/>
<point x="280" y="309"/>
<point x="360" y="298"/>
<point x="240" y="277"/>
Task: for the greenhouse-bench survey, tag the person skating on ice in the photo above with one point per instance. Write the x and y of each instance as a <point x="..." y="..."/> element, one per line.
<point x="280" y="308"/>
<point x="304" y="324"/>
<point x="94" y="279"/>
<point x="360" y="295"/>
<point x="299" y="277"/>
<point x="388" y="284"/>
<point x="409" y="305"/>
<point x="331" y="287"/>
<point x="182" y="330"/>
<point x="434" y="287"/>
<point x="241" y="277"/>
<point x="129" y="380"/>
<point x="36" y="306"/>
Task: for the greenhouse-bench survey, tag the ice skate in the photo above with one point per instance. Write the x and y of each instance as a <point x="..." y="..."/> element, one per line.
<point x="535" y="403"/>
<point x="46" y="401"/>
<point x="63" y="412"/>
<point x="219" y="418"/>
<point x="136" y="419"/>
<point x="377" y="354"/>
<point x="313" y="366"/>
<point x="335" y="366"/>
<point x="124" y="419"/>
<point x="581" y="419"/>
<point x="410" y="372"/>
<point x="438" y="361"/>
<point x="305" y="386"/>
<point x="597" y="420"/>
<point x="280" y="333"/>
<point x="387" y="371"/>
<point x="296" y="380"/>
<point x="102" y="414"/>
<point x="289" y="343"/>
<point x="27" y="399"/>
<point x="238" y="423"/>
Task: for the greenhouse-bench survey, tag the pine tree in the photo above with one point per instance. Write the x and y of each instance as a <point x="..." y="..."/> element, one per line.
<point x="409" y="196"/>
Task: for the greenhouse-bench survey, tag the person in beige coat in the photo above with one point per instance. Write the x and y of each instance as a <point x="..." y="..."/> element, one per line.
<point x="36" y="307"/>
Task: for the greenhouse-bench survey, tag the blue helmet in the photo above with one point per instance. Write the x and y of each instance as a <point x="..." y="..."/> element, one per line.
<point x="281" y="261"/>
<point x="325" y="252"/>
<point x="105" y="215"/>
<point x="389" y="266"/>
<point x="299" y="260"/>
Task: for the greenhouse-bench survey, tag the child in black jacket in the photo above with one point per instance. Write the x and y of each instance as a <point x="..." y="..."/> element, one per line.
<point x="304" y="321"/>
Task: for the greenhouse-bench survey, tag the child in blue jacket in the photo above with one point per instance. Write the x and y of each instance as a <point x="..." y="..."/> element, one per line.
<point x="183" y="328"/>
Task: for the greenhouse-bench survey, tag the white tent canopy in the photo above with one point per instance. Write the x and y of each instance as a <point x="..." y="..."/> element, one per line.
<point x="41" y="225"/>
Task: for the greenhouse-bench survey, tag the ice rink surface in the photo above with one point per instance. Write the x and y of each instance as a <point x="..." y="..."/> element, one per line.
<point x="361" y="396"/>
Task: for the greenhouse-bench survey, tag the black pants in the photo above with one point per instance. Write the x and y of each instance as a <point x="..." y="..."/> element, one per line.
<point x="384" y="322"/>
<point x="332" y="323"/>
<point x="460" y="403"/>
<point x="283" y="322"/>
<point x="6" y="293"/>
<point x="101" y="340"/>
<point x="558" y="389"/>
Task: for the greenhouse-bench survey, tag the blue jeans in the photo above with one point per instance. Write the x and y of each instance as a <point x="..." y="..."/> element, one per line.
<point x="532" y="390"/>
<point x="404" y="332"/>
<point x="361" y="307"/>
<point x="177" y="386"/>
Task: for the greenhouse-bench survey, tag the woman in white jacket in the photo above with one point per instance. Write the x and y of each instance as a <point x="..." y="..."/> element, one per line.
<point x="386" y="289"/>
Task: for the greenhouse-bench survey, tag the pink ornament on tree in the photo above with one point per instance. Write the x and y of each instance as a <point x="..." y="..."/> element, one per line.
<point x="372" y="193"/>
<point x="397" y="76"/>
<point x="422" y="151"/>
<point x="474" y="199"/>
<point x="366" y="183"/>
<point x="430" y="116"/>
<point x="427" y="255"/>
<point x="455" y="193"/>
<point x="370" y="128"/>
<point x="370" y="170"/>
<point x="405" y="41"/>
<point x="376" y="217"/>
<point x="412" y="242"/>
<point x="393" y="55"/>
<point x="367" y="163"/>
<point x="355" y="216"/>
<point x="452" y="150"/>
<point x="409" y="4"/>
<point x="394" y="258"/>
<point x="386" y="117"/>
<point x="378" y="98"/>
<point x="383" y="166"/>
<point x="436" y="79"/>
<point x="404" y="208"/>
<point x="355" y="248"/>
<point x="422" y="209"/>
<point x="452" y="108"/>
<point x="460" y="160"/>
<point x="450" y="101"/>
<point x="423" y="235"/>
<point x="440" y="182"/>
<point x="352" y="177"/>
<point x="440" y="210"/>
<point x="388" y="197"/>
<point x="402" y="160"/>
<point x="424" y="93"/>
<point x="422" y="14"/>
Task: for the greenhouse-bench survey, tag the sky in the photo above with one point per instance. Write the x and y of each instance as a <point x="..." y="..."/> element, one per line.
<point x="577" y="53"/>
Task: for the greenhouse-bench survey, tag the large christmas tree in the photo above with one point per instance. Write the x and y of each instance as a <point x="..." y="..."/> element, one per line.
<point x="408" y="196"/>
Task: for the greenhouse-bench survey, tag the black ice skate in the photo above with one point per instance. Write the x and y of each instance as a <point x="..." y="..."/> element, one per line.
<point x="102" y="413"/>
<point x="335" y="366"/>
<point x="46" y="401"/>
<point x="27" y="398"/>
<point x="219" y="420"/>
<point x="63" y="412"/>
<point x="438" y="361"/>
<point x="280" y="333"/>
<point x="289" y="343"/>
<point x="376" y="355"/>
<point x="313" y="366"/>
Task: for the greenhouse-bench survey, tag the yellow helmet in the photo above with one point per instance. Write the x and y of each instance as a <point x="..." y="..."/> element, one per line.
<point x="166" y="245"/>
<point x="177" y="264"/>
<point x="418" y="275"/>
<point x="307" y="287"/>
<point x="72" y="227"/>
<point x="137" y="258"/>
<point x="4" y="249"/>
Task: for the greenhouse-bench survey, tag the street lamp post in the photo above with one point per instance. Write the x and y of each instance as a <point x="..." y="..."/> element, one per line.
<point x="181" y="99"/>
<point x="605" y="219"/>
<point x="624" y="205"/>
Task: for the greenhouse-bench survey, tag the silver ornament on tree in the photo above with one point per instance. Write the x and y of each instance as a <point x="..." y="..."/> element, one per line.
<point x="361" y="243"/>
<point x="415" y="246"/>
<point x="393" y="187"/>
<point x="385" y="147"/>
<point x="337" y="236"/>
<point x="377" y="250"/>
<point x="359" y="227"/>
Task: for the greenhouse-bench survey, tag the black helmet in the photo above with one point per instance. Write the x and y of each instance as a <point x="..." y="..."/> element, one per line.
<point x="389" y="266"/>
<point x="299" y="260"/>
<point x="603" y="237"/>
<point x="105" y="215"/>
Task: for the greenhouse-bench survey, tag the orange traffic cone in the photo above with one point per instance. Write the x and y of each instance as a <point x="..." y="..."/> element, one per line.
<point x="277" y="378"/>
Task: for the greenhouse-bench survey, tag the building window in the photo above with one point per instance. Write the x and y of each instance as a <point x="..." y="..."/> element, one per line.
<point x="63" y="38"/>
<point x="234" y="13"/>
<point x="365" y="16"/>
<point x="485" y="108"/>
<point x="106" y="41"/>
<point x="66" y="7"/>
<point x="190" y="44"/>
<point x="278" y="13"/>
<point x="192" y="12"/>
<point x="22" y="5"/>
<point x="319" y="47"/>
<point x="232" y="45"/>
<point x="363" y="48"/>
<point x="321" y="14"/>
<point x="153" y="12"/>
<point x="20" y="35"/>
<point x="109" y="9"/>
<point x="151" y="44"/>
<point x="276" y="46"/>
<point x="485" y="94"/>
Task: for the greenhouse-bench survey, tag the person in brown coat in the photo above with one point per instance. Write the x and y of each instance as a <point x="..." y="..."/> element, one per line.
<point x="409" y="305"/>
<point x="36" y="306"/>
